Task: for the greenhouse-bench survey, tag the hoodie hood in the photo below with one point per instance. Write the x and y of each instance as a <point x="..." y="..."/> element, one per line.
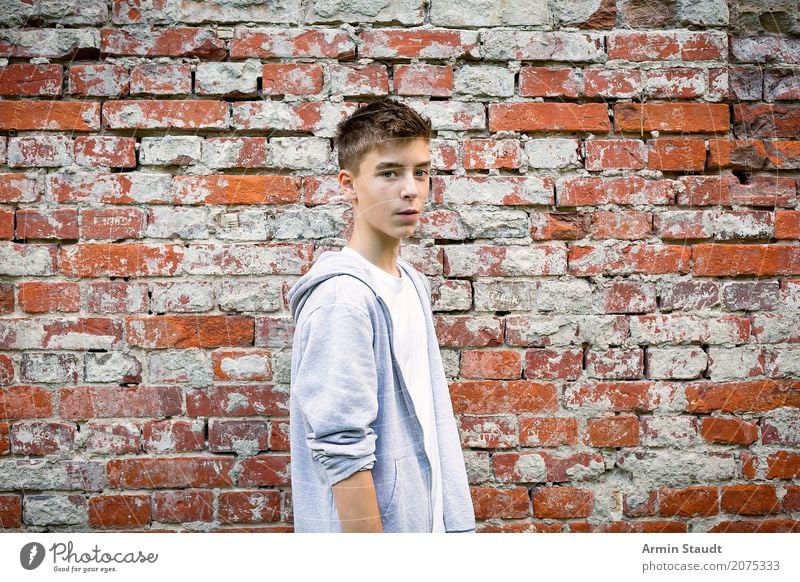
<point x="330" y="264"/>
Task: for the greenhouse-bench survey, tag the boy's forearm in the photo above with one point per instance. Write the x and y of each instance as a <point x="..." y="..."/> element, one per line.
<point x="357" y="504"/>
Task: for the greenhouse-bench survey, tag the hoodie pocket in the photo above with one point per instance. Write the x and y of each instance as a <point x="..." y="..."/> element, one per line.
<point x="408" y="509"/>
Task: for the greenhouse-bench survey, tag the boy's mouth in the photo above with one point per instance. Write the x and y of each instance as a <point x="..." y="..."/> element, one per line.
<point x="408" y="212"/>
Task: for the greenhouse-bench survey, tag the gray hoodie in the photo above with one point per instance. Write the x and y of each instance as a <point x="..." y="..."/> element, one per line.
<point x="350" y="408"/>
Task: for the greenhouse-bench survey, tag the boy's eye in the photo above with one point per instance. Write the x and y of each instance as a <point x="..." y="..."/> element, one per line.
<point x="388" y="173"/>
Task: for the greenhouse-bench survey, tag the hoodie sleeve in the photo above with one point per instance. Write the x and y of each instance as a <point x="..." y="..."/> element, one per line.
<point x="336" y="388"/>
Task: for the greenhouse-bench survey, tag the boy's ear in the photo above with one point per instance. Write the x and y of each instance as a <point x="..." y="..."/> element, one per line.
<point x="347" y="184"/>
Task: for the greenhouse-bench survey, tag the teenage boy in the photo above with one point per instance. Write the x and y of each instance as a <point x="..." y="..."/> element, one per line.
<point x="374" y="444"/>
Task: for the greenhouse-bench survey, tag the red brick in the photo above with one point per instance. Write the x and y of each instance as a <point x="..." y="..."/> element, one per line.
<point x="493" y="503"/>
<point x="237" y="400"/>
<point x="616" y="396"/>
<point x="249" y="506"/>
<point x="229" y="435"/>
<point x="783" y="154"/>
<point x="105" y="150"/>
<point x="651" y="259"/>
<point x="615" y="363"/>
<point x="10" y="511"/>
<point x="418" y="43"/>
<point x="113" y="223"/>
<point x="292" y="42"/>
<point x="82" y="402"/>
<point x="676" y="155"/>
<point x="265" y="471"/>
<point x="791" y="500"/>
<point x="595" y="190"/>
<point x="639" y="507"/>
<point x="25" y="402"/>
<point x="615" y="154"/>
<point x="767" y="120"/>
<point x="614" y="83"/>
<point x="491" y="364"/>
<point x="617" y="431"/>
<point x="720" y="260"/>
<point x="705" y="190"/>
<point x="676" y="83"/>
<point x="569" y="117"/>
<point x="6" y="224"/>
<point x="173" y="41"/>
<point x="150" y="473"/>
<point x="98" y="80"/>
<point x="6" y="370"/>
<point x="558" y="468"/>
<point x="783" y="465"/>
<point x="119" y="511"/>
<point x="241" y="152"/>
<point x="19" y="187"/>
<point x="757" y="526"/>
<point x="5" y="443"/>
<point x="665" y="45"/>
<point x="173" y="435"/>
<point x="111" y="438"/>
<point x="736" y="154"/>
<point x="737" y="397"/>
<point x="643" y="527"/>
<point x="360" y="80"/>
<point x="117" y="297"/>
<point x="690" y="502"/>
<point x="47" y="224"/>
<point x="166" y="114"/>
<point x="629" y="297"/>
<point x="25" y="79"/>
<point x="549" y="82"/>
<point x="787" y="224"/>
<point x="292" y="78"/>
<point x="120" y="260"/>
<point x="728" y="430"/>
<point x="749" y="499"/>
<point x="39" y="438"/>
<point x="460" y="331"/>
<point x="547" y="431"/>
<point x="562" y="503"/>
<point x="769" y="191"/>
<point x="279" y="435"/>
<point x="40" y="297"/>
<point x="749" y="467"/>
<point x="488" y="432"/>
<point x="49" y="115"/>
<point x="183" y="506"/>
<point x="491" y="153"/>
<point x="419" y="79"/>
<point x="682" y="225"/>
<point x="626" y="225"/>
<point x="499" y="396"/>
<point x="554" y="364"/>
<point x="256" y="365"/>
<point x="559" y="225"/>
<point x="189" y="331"/>
<point x="672" y="117"/>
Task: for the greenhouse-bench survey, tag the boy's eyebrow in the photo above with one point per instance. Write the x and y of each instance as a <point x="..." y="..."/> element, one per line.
<point x="384" y="165"/>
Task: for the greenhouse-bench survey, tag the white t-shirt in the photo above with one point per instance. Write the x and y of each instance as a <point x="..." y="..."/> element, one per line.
<point x="411" y="350"/>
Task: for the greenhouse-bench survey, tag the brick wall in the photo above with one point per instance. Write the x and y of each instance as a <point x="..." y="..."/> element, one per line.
<point x="612" y="242"/>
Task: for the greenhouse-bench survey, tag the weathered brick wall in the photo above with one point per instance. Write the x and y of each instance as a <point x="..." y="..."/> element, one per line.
<point x="612" y="241"/>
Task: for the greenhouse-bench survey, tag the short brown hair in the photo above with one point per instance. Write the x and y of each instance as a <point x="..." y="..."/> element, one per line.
<point x="373" y="124"/>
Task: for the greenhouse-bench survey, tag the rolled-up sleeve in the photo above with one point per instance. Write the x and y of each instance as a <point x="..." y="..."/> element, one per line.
<point x="336" y="388"/>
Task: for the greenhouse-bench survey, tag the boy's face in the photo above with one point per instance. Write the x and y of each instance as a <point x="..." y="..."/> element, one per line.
<point x="389" y="182"/>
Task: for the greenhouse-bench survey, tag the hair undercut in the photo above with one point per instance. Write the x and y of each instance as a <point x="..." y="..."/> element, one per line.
<point x="371" y="126"/>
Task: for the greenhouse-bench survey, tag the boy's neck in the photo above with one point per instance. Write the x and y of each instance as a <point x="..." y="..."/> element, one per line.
<point x="383" y="257"/>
